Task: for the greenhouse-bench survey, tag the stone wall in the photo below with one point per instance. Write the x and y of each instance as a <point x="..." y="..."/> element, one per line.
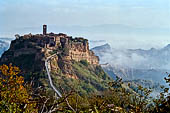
<point x="91" y="58"/>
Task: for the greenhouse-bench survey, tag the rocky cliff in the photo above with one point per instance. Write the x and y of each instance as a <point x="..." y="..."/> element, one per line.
<point x="73" y="64"/>
<point x="41" y="46"/>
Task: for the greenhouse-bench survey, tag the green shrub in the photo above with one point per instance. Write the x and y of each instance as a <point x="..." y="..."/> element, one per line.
<point x="84" y="62"/>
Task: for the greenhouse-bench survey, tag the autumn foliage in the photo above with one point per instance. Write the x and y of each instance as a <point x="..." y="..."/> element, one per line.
<point x="14" y="98"/>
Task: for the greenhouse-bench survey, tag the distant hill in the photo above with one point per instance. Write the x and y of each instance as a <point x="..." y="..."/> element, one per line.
<point x="105" y="47"/>
<point x="94" y="43"/>
<point x="4" y="44"/>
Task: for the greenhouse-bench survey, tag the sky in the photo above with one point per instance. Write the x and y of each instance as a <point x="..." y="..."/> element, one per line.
<point x="140" y="23"/>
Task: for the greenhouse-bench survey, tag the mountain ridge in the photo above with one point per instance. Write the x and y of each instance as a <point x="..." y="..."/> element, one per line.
<point x="151" y="64"/>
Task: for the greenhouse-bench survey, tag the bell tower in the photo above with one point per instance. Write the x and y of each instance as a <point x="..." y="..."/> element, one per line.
<point x="44" y="29"/>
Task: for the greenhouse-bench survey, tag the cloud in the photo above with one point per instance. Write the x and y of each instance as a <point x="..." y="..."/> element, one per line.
<point x="121" y="58"/>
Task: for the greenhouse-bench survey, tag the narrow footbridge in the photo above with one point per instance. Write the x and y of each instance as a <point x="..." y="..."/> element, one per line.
<point x="49" y="76"/>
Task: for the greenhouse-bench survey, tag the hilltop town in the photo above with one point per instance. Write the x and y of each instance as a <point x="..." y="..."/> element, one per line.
<point x="75" y="48"/>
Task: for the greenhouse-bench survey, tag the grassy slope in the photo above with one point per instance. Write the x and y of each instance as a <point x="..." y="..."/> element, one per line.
<point x="91" y="79"/>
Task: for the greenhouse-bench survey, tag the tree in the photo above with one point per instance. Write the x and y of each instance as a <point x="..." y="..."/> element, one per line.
<point x="163" y="102"/>
<point x="14" y="97"/>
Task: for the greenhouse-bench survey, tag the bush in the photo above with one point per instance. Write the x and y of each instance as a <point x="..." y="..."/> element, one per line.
<point x="84" y="62"/>
<point x="13" y="95"/>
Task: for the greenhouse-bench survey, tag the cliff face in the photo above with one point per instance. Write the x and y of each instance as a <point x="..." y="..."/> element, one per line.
<point x="72" y="60"/>
<point x="24" y="53"/>
<point x="79" y="50"/>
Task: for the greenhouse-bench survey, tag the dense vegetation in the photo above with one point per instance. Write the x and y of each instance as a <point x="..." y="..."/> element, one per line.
<point x="82" y="77"/>
<point x="17" y="96"/>
<point x="14" y="97"/>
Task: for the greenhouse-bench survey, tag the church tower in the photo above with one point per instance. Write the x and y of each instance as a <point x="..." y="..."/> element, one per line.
<point x="44" y="29"/>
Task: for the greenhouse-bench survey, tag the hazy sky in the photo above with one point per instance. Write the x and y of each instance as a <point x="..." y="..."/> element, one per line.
<point x="24" y="16"/>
